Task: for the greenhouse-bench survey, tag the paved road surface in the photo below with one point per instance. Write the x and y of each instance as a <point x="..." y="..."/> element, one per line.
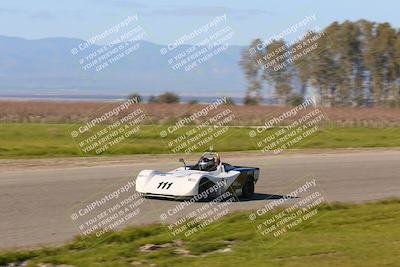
<point x="35" y="204"/>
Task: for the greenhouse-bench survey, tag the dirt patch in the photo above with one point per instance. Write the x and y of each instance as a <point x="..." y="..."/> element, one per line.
<point x="75" y="112"/>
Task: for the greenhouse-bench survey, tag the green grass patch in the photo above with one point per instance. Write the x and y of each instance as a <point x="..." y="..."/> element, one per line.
<point x="53" y="140"/>
<point x="346" y="235"/>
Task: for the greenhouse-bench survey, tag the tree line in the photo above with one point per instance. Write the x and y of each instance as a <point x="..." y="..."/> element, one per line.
<point x="352" y="64"/>
<point x="171" y="98"/>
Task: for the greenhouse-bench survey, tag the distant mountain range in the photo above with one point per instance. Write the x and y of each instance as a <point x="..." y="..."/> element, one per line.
<point x="47" y="67"/>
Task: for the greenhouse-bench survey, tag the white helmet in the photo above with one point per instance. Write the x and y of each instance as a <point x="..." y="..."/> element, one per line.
<point x="209" y="161"/>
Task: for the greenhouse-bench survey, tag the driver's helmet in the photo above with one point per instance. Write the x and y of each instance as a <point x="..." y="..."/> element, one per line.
<point x="209" y="162"/>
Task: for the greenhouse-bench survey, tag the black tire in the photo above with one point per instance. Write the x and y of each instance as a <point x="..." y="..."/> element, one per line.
<point x="204" y="185"/>
<point x="248" y="187"/>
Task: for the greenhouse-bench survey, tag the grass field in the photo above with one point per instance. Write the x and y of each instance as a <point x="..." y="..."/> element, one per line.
<point x="53" y="140"/>
<point x="345" y="235"/>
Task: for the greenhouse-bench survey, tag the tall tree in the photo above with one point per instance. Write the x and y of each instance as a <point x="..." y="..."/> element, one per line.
<point x="397" y="60"/>
<point x="277" y="70"/>
<point x="355" y="63"/>
<point x="251" y="62"/>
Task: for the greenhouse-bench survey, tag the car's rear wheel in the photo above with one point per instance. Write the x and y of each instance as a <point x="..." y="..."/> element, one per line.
<point x="248" y="188"/>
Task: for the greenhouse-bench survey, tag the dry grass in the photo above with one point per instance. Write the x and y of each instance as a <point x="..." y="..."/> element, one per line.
<point x="73" y="112"/>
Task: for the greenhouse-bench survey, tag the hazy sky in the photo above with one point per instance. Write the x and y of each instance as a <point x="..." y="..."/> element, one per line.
<point x="165" y="21"/>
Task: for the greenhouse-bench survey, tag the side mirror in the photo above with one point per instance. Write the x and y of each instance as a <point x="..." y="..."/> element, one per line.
<point x="183" y="161"/>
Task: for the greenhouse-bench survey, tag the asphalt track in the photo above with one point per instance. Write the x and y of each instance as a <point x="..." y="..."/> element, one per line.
<point x="35" y="204"/>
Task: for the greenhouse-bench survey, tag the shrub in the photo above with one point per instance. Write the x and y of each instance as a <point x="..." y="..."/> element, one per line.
<point x="248" y="100"/>
<point x="168" y="98"/>
<point x="135" y="96"/>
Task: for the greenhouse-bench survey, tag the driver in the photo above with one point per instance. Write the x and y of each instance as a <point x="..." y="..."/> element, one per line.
<point x="208" y="163"/>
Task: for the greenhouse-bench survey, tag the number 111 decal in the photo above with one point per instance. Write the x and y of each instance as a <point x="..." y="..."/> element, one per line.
<point x="164" y="185"/>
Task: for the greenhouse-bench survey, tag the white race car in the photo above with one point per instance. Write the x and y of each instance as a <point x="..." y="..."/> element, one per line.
<point x="208" y="178"/>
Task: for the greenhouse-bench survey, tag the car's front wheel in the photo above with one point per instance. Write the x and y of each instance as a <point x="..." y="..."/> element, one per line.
<point x="204" y="187"/>
<point x="248" y="188"/>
